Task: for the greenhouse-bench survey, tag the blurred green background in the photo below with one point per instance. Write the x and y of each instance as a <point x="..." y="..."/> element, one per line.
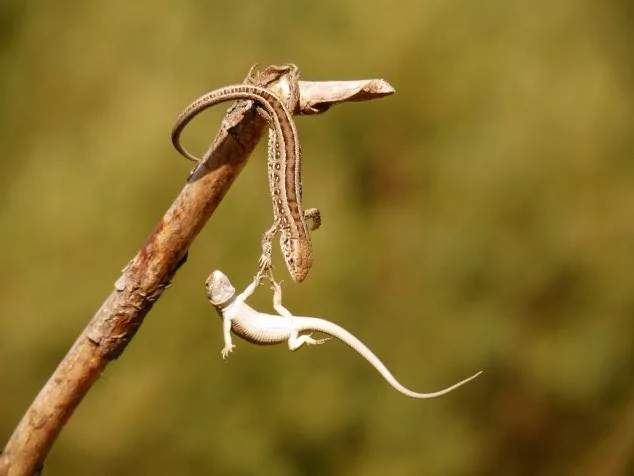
<point x="481" y="218"/>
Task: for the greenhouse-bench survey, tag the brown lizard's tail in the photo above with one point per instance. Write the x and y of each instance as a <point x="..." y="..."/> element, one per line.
<point x="330" y="328"/>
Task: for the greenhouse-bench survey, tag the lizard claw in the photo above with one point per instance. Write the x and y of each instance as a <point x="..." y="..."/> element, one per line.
<point x="275" y="286"/>
<point x="264" y="262"/>
<point x="226" y="350"/>
<point x="311" y="341"/>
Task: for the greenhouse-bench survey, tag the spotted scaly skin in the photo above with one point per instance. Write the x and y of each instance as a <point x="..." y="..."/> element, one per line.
<point x="284" y="172"/>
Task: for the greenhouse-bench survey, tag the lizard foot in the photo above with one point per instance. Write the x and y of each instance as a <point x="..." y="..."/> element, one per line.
<point x="314" y="218"/>
<point x="265" y="270"/>
<point x="276" y="286"/>
<point x="295" y="342"/>
<point x="308" y="339"/>
<point x="264" y="263"/>
<point x="226" y="350"/>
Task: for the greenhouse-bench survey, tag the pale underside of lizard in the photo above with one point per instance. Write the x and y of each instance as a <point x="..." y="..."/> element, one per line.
<point x="283" y="171"/>
<point x="260" y="328"/>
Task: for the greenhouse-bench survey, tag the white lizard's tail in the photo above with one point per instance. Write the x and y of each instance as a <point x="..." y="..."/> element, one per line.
<point x="330" y="328"/>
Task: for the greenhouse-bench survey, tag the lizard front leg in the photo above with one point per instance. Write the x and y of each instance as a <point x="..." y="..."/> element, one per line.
<point x="226" y="331"/>
<point x="250" y="289"/>
<point x="277" y="300"/>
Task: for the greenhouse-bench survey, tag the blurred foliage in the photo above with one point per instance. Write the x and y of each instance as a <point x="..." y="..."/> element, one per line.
<point x="483" y="217"/>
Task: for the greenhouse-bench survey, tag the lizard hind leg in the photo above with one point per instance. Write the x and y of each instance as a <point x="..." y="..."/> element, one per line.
<point x="313" y="216"/>
<point x="295" y="341"/>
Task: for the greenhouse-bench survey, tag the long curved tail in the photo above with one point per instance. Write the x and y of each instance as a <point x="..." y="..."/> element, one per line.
<point x="330" y="328"/>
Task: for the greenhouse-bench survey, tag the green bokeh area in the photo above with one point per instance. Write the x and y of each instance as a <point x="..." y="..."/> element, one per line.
<point x="481" y="218"/>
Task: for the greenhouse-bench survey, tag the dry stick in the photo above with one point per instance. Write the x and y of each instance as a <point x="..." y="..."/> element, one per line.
<point x="143" y="280"/>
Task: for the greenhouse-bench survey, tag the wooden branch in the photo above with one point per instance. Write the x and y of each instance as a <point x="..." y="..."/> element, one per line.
<point x="148" y="274"/>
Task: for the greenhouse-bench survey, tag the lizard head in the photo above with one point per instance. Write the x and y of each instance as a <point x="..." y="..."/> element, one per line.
<point x="219" y="288"/>
<point x="298" y="258"/>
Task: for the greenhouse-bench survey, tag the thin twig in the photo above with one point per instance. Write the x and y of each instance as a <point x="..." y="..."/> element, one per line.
<point x="145" y="277"/>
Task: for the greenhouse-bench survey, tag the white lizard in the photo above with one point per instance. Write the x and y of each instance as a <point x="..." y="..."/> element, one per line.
<point x="261" y="328"/>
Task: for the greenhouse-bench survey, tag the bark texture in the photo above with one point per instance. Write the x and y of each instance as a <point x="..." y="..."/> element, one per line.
<point x="148" y="274"/>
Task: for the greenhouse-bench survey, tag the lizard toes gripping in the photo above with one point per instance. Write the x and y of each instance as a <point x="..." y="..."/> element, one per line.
<point x="226" y="350"/>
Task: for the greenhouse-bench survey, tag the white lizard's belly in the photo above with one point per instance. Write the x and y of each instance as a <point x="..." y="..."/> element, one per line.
<point x="262" y="328"/>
